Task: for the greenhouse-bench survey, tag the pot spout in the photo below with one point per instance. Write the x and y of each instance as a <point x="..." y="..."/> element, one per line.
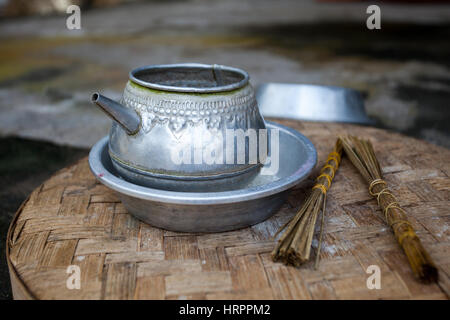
<point x="128" y="119"/>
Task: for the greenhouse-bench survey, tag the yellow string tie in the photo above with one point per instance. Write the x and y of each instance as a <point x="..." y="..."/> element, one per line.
<point x="390" y="206"/>
<point x="385" y="191"/>
<point x="334" y="159"/>
<point x="337" y="155"/>
<point x="373" y="184"/>
<point x="321" y="187"/>
<point x="409" y="233"/>
<point x="393" y="204"/>
<point x="400" y="222"/>
<point x="332" y="168"/>
<point x="328" y="179"/>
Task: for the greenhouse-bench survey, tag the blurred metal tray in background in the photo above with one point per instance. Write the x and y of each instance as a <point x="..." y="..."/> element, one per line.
<point x="312" y="103"/>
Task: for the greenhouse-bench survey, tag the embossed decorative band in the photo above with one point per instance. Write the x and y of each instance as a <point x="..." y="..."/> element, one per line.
<point x="161" y="108"/>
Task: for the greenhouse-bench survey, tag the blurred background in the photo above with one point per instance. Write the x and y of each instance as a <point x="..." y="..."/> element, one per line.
<point x="47" y="72"/>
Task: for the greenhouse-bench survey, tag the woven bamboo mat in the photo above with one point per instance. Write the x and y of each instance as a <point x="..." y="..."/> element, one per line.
<point x="73" y="220"/>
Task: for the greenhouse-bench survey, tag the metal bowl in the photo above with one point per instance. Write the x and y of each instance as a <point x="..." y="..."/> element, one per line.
<point x="213" y="211"/>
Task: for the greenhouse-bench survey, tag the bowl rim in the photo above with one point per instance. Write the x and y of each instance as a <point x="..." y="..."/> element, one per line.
<point x="213" y="67"/>
<point x="205" y="198"/>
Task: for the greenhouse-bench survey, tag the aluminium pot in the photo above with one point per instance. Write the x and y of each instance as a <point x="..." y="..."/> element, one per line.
<point x="177" y="127"/>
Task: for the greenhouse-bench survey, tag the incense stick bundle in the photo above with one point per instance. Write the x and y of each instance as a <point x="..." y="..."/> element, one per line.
<point x="361" y="154"/>
<point x="294" y="246"/>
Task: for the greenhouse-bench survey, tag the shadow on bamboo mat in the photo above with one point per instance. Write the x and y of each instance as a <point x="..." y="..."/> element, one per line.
<point x="24" y="165"/>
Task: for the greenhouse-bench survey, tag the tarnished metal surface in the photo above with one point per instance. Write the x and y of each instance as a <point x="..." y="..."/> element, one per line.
<point x="182" y="107"/>
<point x="212" y="211"/>
<point x="311" y="103"/>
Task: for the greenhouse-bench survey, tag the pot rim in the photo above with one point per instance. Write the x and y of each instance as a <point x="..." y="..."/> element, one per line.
<point x="215" y="68"/>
